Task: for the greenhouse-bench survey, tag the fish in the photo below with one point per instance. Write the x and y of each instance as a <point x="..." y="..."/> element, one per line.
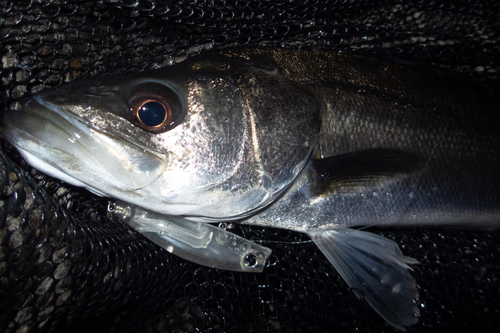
<point x="310" y="141"/>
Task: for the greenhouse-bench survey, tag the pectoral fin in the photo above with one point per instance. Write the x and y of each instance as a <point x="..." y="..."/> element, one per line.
<point x="357" y="171"/>
<point x="375" y="269"/>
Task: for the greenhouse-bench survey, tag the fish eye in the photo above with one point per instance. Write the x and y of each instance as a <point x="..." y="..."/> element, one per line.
<point x="153" y="114"/>
<point x="155" y="107"/>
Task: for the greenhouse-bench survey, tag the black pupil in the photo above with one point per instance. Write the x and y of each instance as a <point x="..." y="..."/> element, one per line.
<point x="152" y="114"/>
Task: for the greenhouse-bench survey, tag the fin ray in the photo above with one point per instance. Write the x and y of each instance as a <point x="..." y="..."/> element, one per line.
<point x="374" y="267"/>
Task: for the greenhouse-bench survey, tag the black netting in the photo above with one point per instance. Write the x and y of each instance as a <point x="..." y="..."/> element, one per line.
<point x="65" y="265"/>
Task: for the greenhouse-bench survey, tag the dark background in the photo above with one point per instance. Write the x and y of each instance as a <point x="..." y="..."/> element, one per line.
<point x="66" y="265"/>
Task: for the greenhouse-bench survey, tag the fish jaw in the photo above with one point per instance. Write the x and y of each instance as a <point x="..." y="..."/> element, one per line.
<point x="65" y="147"/>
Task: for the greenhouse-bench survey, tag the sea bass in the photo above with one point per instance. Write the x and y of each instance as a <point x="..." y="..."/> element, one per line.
<point x="309" y="141"/>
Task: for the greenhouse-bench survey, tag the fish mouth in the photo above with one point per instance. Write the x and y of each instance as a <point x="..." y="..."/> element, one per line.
<point x="66" y="146"/>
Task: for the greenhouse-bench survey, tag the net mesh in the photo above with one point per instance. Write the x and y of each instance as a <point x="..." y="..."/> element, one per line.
<point x="66" y="264"/>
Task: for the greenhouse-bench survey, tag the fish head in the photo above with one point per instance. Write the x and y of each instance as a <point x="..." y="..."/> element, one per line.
<point x="214" y="138"/>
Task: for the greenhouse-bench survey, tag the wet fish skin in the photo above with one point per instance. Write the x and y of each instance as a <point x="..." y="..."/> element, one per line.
<point x="450" y="124"/>
<point x="389" y="146"/>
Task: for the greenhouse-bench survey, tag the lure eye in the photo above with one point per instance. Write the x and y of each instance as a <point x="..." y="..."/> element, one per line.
<point x="153" y="114"/>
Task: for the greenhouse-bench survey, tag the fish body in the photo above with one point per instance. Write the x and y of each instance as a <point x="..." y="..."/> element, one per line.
<point x="400" y="146"/>
<point x="309" y="141"/>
